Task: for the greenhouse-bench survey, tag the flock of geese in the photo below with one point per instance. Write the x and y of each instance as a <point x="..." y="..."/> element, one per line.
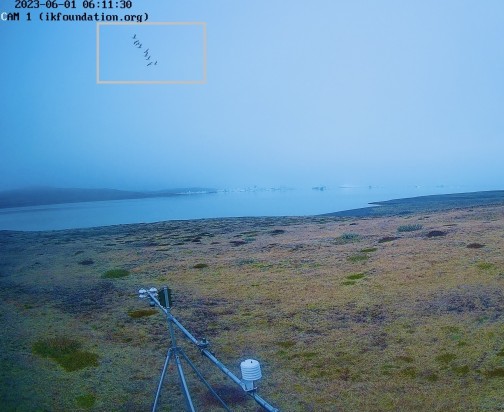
<point x="147" y="56"/>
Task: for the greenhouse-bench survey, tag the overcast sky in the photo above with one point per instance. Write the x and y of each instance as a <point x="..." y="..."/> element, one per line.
<point x="298" y="93"/>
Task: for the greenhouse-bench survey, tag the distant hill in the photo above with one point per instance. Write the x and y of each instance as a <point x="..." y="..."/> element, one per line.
<point x="430" y="203"/>
<point x="51" y="195"/>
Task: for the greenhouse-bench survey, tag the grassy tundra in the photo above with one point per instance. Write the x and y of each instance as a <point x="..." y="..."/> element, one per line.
<point x="385" y="313"/>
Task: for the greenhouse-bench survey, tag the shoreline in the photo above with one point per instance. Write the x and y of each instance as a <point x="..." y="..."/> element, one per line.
<point x="18" y="198"/>
<point x="430" y="203"/>
<point x="393" y="207"/>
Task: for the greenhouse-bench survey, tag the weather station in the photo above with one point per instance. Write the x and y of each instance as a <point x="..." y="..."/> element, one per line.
<point x="250" y="368"/>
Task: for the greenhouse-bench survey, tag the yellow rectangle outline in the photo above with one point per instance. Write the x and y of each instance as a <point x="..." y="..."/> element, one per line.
<point x="182" y="23"/>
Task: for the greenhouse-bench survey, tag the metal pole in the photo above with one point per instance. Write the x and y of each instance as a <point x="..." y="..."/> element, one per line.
<point x="223" y="368"/>
<point x="202" y="378"/>
<point x="183" y="384"/>
<point x="209" y="355"/>
<point x="262" y="402"/>
<point x="167" y="361"/>
<point x="184" y="330"/>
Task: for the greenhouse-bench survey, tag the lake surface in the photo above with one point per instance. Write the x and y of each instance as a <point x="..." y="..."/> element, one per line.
<point x="238" y="203"/>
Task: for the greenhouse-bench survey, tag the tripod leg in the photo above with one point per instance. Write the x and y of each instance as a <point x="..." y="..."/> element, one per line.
<point x="161" y="379"/>
<point x="183" y="382"/>
<point x="202" y="379"/>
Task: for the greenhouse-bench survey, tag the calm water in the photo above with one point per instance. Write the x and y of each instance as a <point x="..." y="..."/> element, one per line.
<point x="285" y="202"/>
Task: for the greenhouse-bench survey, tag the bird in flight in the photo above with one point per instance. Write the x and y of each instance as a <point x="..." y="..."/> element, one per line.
<point x="146" y="52"/>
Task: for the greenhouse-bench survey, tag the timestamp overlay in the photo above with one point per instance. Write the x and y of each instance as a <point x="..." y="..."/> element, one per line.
<point x="72" y="11"/>
<point x="131" y="48"/>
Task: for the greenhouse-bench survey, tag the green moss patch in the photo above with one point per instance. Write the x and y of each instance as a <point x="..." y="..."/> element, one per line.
<point x="358" y="258"/>
<point x="353" y="278"/>
<point x="347" y="238"/>
<point x="432" y="377"/>
<point x="495" y="373"/>
<point x="115" y="274"/>
<point x="66" y="352"/>
<point x="451" y="329"/>
<point x="200" y="266"/>
<point x="461" y="370"/>
<point x="409" y="372"/>
<point x="356" y="276"/>
<point x="485" y="265"/>
<point x="445" y="357"/>
<point x="142" y="313"/>
<point x="86" y="401"/>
